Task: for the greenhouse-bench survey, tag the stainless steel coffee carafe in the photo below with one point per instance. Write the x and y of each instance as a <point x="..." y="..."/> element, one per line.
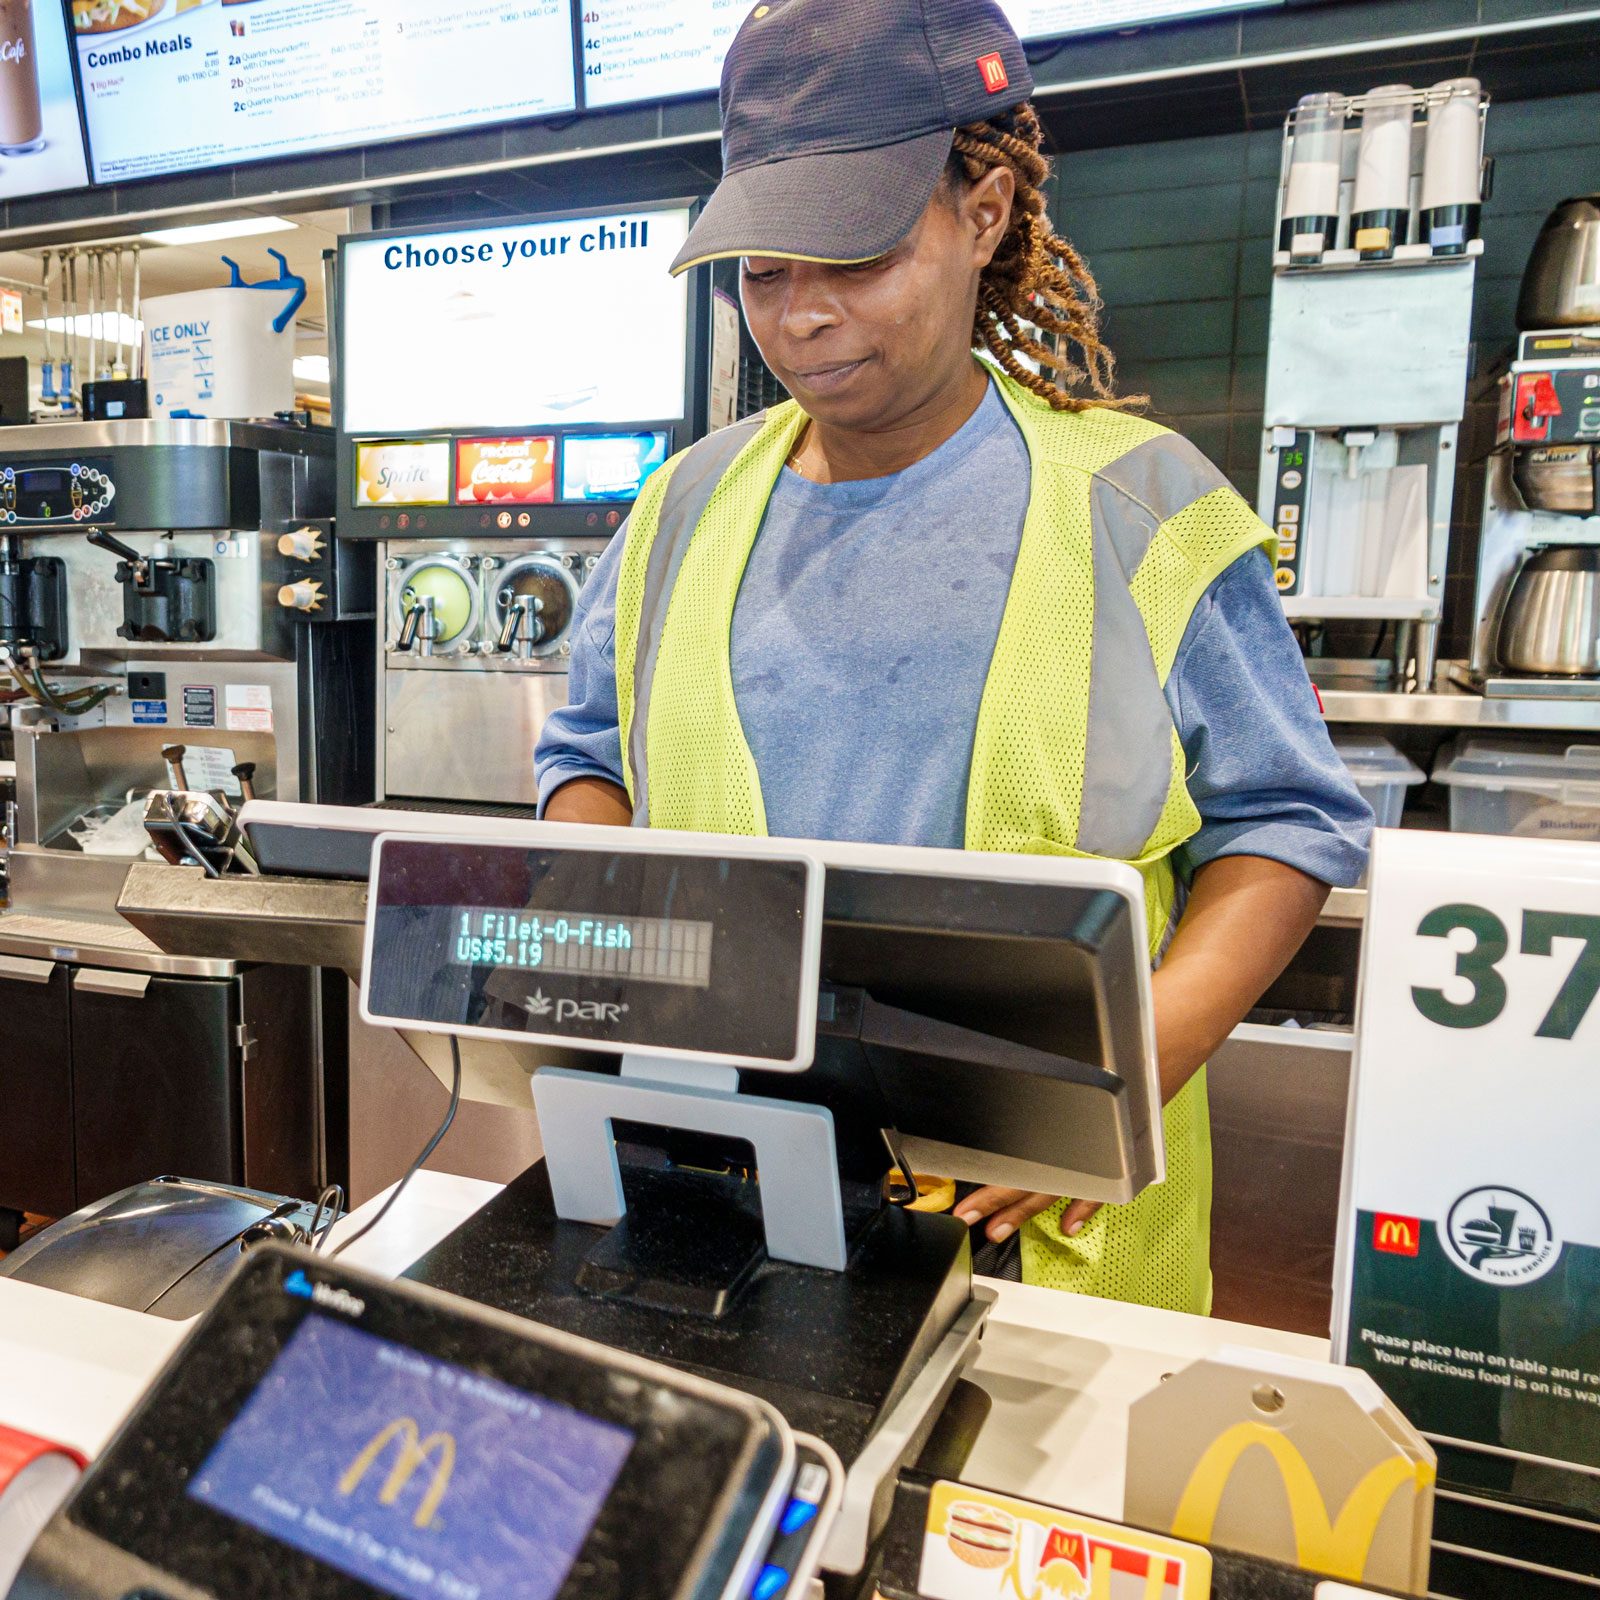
<point x="1551" y="622"/>
<point x="1561" y="284"/>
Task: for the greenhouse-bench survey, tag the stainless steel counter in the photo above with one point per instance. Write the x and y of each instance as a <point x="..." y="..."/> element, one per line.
<point x="84" y="940"/>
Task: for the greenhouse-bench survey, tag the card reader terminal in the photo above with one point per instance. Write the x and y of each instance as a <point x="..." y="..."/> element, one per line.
<point x="327" y="1435"/>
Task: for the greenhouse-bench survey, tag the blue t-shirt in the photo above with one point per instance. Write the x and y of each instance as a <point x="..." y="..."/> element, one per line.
<point x="862" y="639"/>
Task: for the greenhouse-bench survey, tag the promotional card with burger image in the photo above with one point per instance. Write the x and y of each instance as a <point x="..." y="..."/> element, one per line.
<point x="984" y="1546"/>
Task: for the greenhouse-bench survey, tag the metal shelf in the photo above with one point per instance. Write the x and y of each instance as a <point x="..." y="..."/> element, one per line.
<point x="1458" y="708"/>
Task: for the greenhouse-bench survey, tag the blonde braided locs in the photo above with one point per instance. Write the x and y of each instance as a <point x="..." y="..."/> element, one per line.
<point x="1037" y="282"/>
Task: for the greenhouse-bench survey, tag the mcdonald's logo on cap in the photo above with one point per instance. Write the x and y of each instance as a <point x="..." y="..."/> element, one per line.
<point x="1396" y="1236"/>
<point x="993" y="68"/>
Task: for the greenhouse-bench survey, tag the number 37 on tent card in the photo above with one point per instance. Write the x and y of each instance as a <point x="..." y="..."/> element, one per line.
<point x="1470" y="1218"/>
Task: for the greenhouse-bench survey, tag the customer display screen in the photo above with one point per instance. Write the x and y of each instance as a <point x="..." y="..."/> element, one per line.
<point x="623" y="949"/>
<point x="420" y="1477"/>
<point x="41" y="143"/>
<point x="562" y="321"/>
<point x="654" y="949"/>
<point x="637" y="50"/>
<point x="172" y="85"/>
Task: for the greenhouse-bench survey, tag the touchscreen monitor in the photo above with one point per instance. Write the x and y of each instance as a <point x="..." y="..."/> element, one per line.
<point x="41" y="142"/>
<point x="174" y="85"/>
<point x="416" y="1475"/>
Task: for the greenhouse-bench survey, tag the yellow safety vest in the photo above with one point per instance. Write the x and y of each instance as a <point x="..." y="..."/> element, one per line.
<point x="1076" y="753"/>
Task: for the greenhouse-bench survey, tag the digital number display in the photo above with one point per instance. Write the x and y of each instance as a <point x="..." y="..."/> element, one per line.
<point x="655" y="949"/>
<point x="417" y="1476"/>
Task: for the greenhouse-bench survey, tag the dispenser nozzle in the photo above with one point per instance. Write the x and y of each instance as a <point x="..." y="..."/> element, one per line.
<point x="173" y="755"/>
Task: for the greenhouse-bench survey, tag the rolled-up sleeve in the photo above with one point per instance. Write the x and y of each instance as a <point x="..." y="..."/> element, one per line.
<point x="1263" y="772"/>
<point x="582" y="739"/>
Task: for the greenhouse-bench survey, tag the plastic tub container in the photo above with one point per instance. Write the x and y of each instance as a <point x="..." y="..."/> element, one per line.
<point x="1381" y="773"/>
<point x="1533" y="788"/>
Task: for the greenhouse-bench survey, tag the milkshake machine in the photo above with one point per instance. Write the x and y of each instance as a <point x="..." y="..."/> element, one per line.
<point x="175" y="613"/>
<point x="1367" y="360"/>
<point x="492" y="453"/>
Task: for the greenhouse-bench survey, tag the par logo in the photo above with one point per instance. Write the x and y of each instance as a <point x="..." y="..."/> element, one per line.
<point x="539" y="1004"/>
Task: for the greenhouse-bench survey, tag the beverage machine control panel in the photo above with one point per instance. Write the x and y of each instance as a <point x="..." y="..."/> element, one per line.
<point x="71" y="491"/>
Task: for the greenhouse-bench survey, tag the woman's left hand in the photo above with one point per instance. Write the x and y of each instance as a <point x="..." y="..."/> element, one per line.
<point x="1007" y="1209"/>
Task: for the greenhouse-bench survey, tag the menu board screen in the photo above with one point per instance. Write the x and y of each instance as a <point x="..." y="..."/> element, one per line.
<point x="1050" y="19"/>
<point x="172" y="85"/>
<point x="41" y="145"/>
<point x="655" y="49"/>
<point x="572" y="321"/>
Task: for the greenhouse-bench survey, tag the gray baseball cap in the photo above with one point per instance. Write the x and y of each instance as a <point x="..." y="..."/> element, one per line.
<point x="837" y="117"/>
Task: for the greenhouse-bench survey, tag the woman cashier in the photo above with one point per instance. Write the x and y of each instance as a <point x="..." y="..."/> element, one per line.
<point x="944" y="598"/>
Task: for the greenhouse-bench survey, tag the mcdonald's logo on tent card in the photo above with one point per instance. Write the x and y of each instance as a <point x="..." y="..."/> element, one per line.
<point x="1396" y="1236"/>
<point x="979" y="1546"/>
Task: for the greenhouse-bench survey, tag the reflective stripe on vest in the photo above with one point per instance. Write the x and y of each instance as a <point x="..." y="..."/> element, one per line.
<point x="1075" y="751"/>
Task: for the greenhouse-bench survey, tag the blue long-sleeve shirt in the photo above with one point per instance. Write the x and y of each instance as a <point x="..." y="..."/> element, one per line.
<point x="862" y="637"/>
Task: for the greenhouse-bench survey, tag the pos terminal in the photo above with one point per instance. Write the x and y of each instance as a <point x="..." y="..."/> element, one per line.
<point x="726" y="1040"/>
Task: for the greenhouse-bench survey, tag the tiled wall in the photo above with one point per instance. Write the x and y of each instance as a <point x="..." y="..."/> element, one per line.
<point x="1179" y="236"/>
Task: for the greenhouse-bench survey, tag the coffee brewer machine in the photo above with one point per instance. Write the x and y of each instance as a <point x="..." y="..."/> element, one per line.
<point x="1367" y="358"/>
<point x="163" y="584"/>
<point x="1536" y="606"/>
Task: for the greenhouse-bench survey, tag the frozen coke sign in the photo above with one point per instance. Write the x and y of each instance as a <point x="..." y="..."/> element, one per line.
<point x="506" y="471"/>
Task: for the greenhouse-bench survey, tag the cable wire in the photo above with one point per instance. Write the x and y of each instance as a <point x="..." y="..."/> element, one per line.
<point x="427" y="1150"/>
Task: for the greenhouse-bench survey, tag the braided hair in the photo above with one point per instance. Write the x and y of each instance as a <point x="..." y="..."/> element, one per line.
<point x="1037" y="280"/>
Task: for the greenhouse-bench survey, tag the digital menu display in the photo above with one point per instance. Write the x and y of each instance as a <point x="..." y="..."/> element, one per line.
<point x="609" y="466"/>
<point x="655" y="49"/>
<point x="422" y="1478"/>
<point x="173" y="85"/>
<point x="403" y="472"/>
<point x="1051" y="19"/>
<point x="567" y="321"/>
<point x="506" y="472"/>
<point x="637" y="50"/>
<point x="41" y="143"/>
